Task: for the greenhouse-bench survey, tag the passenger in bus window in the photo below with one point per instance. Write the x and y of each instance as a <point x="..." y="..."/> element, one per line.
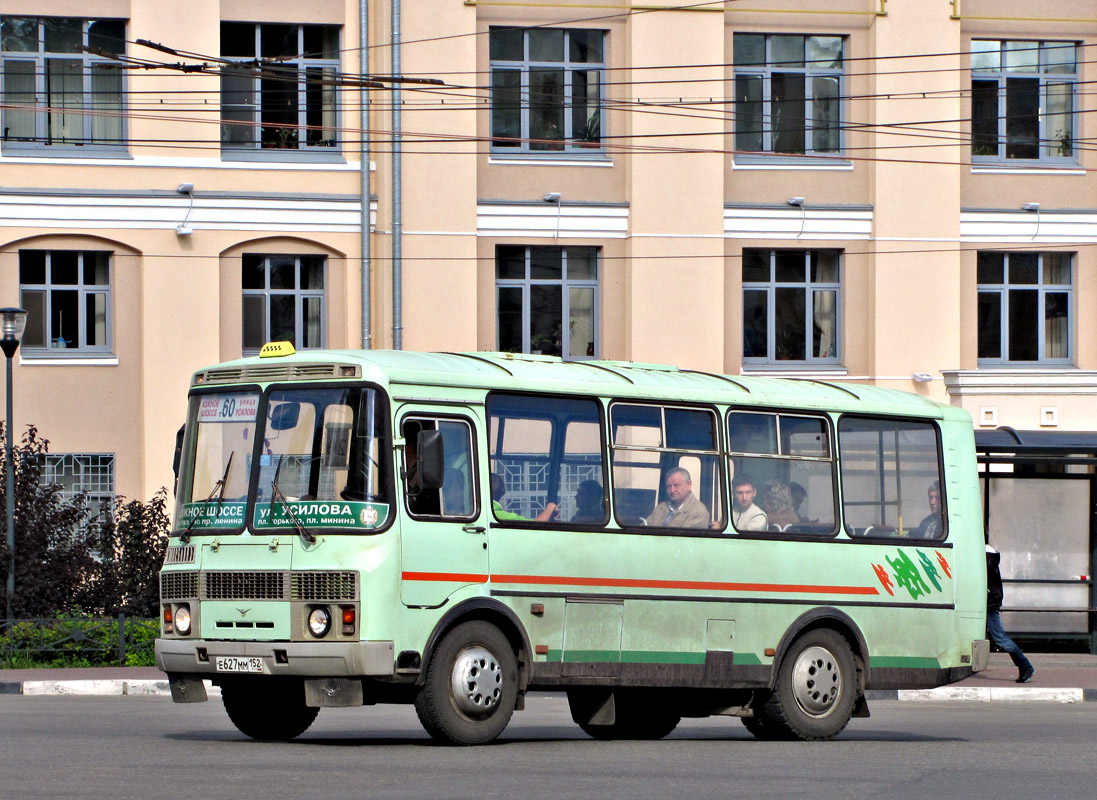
<point x="777" y="503"/>
<point x="589" y="503"/>
<point x="799" y="495"/>
<point x="931" y="526"/>
<point x="499" y="491"/>
<point x="746" y="516"/>
<point x="681" y="509"/>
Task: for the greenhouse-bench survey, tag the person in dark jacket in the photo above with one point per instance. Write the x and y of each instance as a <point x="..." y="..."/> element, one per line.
<point x="995" y="632"/>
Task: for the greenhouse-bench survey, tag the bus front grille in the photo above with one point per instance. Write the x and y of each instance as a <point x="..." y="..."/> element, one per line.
<point x="238" y="585"/>
<point x="178" y="585"/>
<point x="276" y="372"/>
<point x="324" y="586"/>
<point x="180" y="554"/>
<point x="311" y="586"/>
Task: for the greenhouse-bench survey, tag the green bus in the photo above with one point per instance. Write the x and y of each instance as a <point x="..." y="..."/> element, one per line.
<point x="455" y="530"/>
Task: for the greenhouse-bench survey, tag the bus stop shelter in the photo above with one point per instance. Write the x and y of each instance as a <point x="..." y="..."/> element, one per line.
<point x="1039" y="507"/>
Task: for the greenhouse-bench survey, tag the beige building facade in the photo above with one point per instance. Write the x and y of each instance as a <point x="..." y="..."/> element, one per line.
<point x="875" y="191"/>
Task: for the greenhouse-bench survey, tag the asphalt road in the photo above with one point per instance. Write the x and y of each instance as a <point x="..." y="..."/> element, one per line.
<point x="146" y="747"/>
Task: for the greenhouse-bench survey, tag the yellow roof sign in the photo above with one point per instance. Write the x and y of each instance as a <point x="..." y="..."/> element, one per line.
<point x="275" y="349"/>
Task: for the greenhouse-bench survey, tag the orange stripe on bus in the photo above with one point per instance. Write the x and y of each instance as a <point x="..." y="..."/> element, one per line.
<point x="637" y="583"/>
<point x="448" y="577"/>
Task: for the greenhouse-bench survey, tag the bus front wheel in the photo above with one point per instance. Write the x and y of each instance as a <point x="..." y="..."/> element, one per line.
<point x="816" y="689"/>
<point x="471" y="685"/>
<point x="271" y="710"/>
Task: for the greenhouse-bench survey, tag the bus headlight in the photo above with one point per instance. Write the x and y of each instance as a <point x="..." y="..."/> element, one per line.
<point x="182" y="620"/>
<point x="319" y="622"/>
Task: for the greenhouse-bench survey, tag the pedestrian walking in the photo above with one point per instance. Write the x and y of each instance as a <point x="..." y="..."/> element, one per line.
<point x="995" y="632"/>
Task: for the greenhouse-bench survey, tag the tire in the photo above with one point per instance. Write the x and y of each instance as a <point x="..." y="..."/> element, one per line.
<point x="763" y="730"/>
<point x="268" y="710"/>
<point x="816" y="690"/>
<point x="634" y="721"/>
<point x="471" y="686"/>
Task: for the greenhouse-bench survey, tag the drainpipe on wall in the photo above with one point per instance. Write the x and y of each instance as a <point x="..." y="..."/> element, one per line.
<point x="397" y="194"/>
<point x="364" y="156"/>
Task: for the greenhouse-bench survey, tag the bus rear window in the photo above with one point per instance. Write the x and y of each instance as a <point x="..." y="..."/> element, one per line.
<point x="891" y="471"/>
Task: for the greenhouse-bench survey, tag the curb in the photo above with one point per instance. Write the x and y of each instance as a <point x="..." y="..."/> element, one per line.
<point x="97" y="688"/>
<point x="986" y="694"/>
<point x="943" y="694"/>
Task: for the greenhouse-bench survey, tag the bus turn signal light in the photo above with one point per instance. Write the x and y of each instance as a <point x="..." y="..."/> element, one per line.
<point x="348" y="620"/>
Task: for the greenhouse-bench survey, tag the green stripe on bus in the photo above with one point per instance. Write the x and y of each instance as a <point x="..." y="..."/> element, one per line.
<point x="905" y="662"/>
<point x="644" y="657"/>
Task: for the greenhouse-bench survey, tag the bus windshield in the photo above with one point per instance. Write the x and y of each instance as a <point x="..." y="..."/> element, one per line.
<point x="216" y="494"/>
<point x="317" y="452"/>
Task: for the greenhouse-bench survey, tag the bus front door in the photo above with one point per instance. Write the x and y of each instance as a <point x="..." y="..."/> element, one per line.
<point x="443" y="529"/>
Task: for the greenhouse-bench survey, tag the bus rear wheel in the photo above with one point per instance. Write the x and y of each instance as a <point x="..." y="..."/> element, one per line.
<point x="471" y="686"/>
<point x="816" y="690"/>
<point x="271" y="710"/>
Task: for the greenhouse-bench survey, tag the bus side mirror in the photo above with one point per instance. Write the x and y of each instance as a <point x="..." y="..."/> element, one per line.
<point x="284" y="416"/>
<point x="431" y="454"/>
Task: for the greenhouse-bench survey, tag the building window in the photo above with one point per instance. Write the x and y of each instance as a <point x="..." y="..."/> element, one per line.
<point x="59" y="91"/>
<point x="283" y="300"/>
<point x="547" y="300"/>
<point x="90" y="475"/>
<point x="1024" y="308"/>
<point x="546" y="89"/>
<point x="788" y="93"/>
<point x="790" y="306"/>
<point x="67" y="296"/>
<point x="287" y="103"/>
<point x="1022" y="99"/>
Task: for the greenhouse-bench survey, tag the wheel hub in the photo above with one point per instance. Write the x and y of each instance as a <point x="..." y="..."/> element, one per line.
<point x="816" y="681"/>
<point x="477" y="681"/>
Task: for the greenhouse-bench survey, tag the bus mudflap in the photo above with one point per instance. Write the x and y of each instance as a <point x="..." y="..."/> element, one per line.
<point x="186" y="688"/>
<point x="980" y="654"/>
<point x="334" y="692"/>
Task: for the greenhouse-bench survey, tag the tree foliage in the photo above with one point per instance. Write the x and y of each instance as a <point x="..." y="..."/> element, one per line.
<point x="70" y="558"/>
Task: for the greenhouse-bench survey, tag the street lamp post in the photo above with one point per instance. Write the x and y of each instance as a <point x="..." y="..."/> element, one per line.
<point x="12" y="323"/>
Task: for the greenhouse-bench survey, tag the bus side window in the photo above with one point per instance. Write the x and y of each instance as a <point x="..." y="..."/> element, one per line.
<point x="659" y="450"/>
<point x="788" y="460"/>
<point x="547" y="453"/>
<point x="890" y="470"/>
<point x="456" y="498"/>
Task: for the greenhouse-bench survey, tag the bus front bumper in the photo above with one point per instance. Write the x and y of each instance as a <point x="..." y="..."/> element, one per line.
<point x="200" y="658"/>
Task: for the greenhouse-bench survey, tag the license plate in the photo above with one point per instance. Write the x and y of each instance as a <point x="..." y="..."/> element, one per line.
<point x="238" y="664"/>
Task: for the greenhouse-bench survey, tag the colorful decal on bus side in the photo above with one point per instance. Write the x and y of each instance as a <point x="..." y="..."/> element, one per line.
<point x="907" y="575"/>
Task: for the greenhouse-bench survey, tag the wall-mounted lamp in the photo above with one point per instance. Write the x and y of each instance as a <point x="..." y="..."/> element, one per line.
<point x="183" y="229"/>
<point x="554" y="197"/>
<point x="798" y="202"/>
<point x="921" y="377"/>
<point x="1033" y="207"/>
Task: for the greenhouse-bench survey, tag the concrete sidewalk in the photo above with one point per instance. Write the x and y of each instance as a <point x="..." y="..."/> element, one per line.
<point x="1059" y="678"/>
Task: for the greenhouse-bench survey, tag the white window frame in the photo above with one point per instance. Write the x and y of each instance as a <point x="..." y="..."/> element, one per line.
<point x="573" y="143"/>
<point x="1044" y="77"/>
<point x="252" y="73"/>
<point x="1002" y="290"/>
<point x="565" y="283"/>
<point x="297" y="292"/>
<point x="809" y="288"/>
<point x="83" y="290"/>
<point x="43" y="138"/>
<point x="809" y="70"/>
